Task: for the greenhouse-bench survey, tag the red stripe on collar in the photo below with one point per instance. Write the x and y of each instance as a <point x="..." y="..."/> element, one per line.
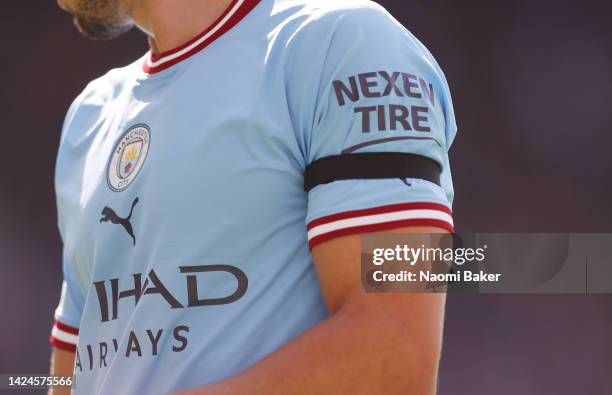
<point x="236" y="11"/>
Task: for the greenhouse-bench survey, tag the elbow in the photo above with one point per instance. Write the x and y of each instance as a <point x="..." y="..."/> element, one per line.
<point x="406" y="333"/>
<point x="412" y="367"/>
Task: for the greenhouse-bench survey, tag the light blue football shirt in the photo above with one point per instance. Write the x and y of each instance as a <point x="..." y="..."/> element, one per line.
<point x="186" y="227"/>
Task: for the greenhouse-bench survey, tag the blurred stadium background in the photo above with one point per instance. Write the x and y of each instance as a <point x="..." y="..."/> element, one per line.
<point x="532" y="86"/>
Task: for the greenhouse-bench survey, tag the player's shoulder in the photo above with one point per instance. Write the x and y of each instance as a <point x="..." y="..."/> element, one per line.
<point x="89" y="105"/>
<point x="345" y="16"/>
<point x="109" y="85"/>
<point x="327" y="11"/>
<point x="339" y="24"/>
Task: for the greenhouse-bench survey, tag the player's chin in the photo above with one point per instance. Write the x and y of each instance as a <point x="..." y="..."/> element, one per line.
<point x="66" y="5"/>
<point x="101" y="30"/>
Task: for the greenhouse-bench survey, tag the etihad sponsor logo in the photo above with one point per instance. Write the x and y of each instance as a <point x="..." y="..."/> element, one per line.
<point x="153" y="285"/>
<point x="137" y="344"/>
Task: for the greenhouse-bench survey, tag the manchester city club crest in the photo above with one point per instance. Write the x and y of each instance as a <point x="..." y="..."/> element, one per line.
<point x="128" y="157"/>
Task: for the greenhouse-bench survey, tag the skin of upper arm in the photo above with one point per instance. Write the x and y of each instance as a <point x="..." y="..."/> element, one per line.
<point x="62" y="363"/>
<point x="415" y="320"/>
<point x="338" y="265"/>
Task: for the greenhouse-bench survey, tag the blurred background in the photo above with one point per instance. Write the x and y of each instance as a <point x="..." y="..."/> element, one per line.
<point x="532" y="86"/>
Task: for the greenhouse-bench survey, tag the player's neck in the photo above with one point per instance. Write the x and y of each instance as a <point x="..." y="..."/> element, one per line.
<point x="170" y="24"/>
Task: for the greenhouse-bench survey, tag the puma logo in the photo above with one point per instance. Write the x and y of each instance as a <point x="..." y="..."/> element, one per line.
<point x="108" y="214"/>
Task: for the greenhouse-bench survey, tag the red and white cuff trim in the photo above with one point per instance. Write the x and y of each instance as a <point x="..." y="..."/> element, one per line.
<point x="64" y="336"/>
<point x="236" y="11"/>
<point x="379" y="218"/>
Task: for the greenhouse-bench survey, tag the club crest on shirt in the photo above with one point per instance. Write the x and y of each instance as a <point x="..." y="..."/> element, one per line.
<point x="128" y="157"/>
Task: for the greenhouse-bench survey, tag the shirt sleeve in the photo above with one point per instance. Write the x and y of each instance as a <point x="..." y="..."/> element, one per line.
<point x="67" y="316"/>
<point x="65" y="331"/>
<point x="376" y="89"/>
<point x="65" y="335"/>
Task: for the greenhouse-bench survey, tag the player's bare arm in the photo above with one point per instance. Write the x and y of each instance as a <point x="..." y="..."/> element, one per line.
<point x="371" y="344"/>
<point x="62" y="364"/>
